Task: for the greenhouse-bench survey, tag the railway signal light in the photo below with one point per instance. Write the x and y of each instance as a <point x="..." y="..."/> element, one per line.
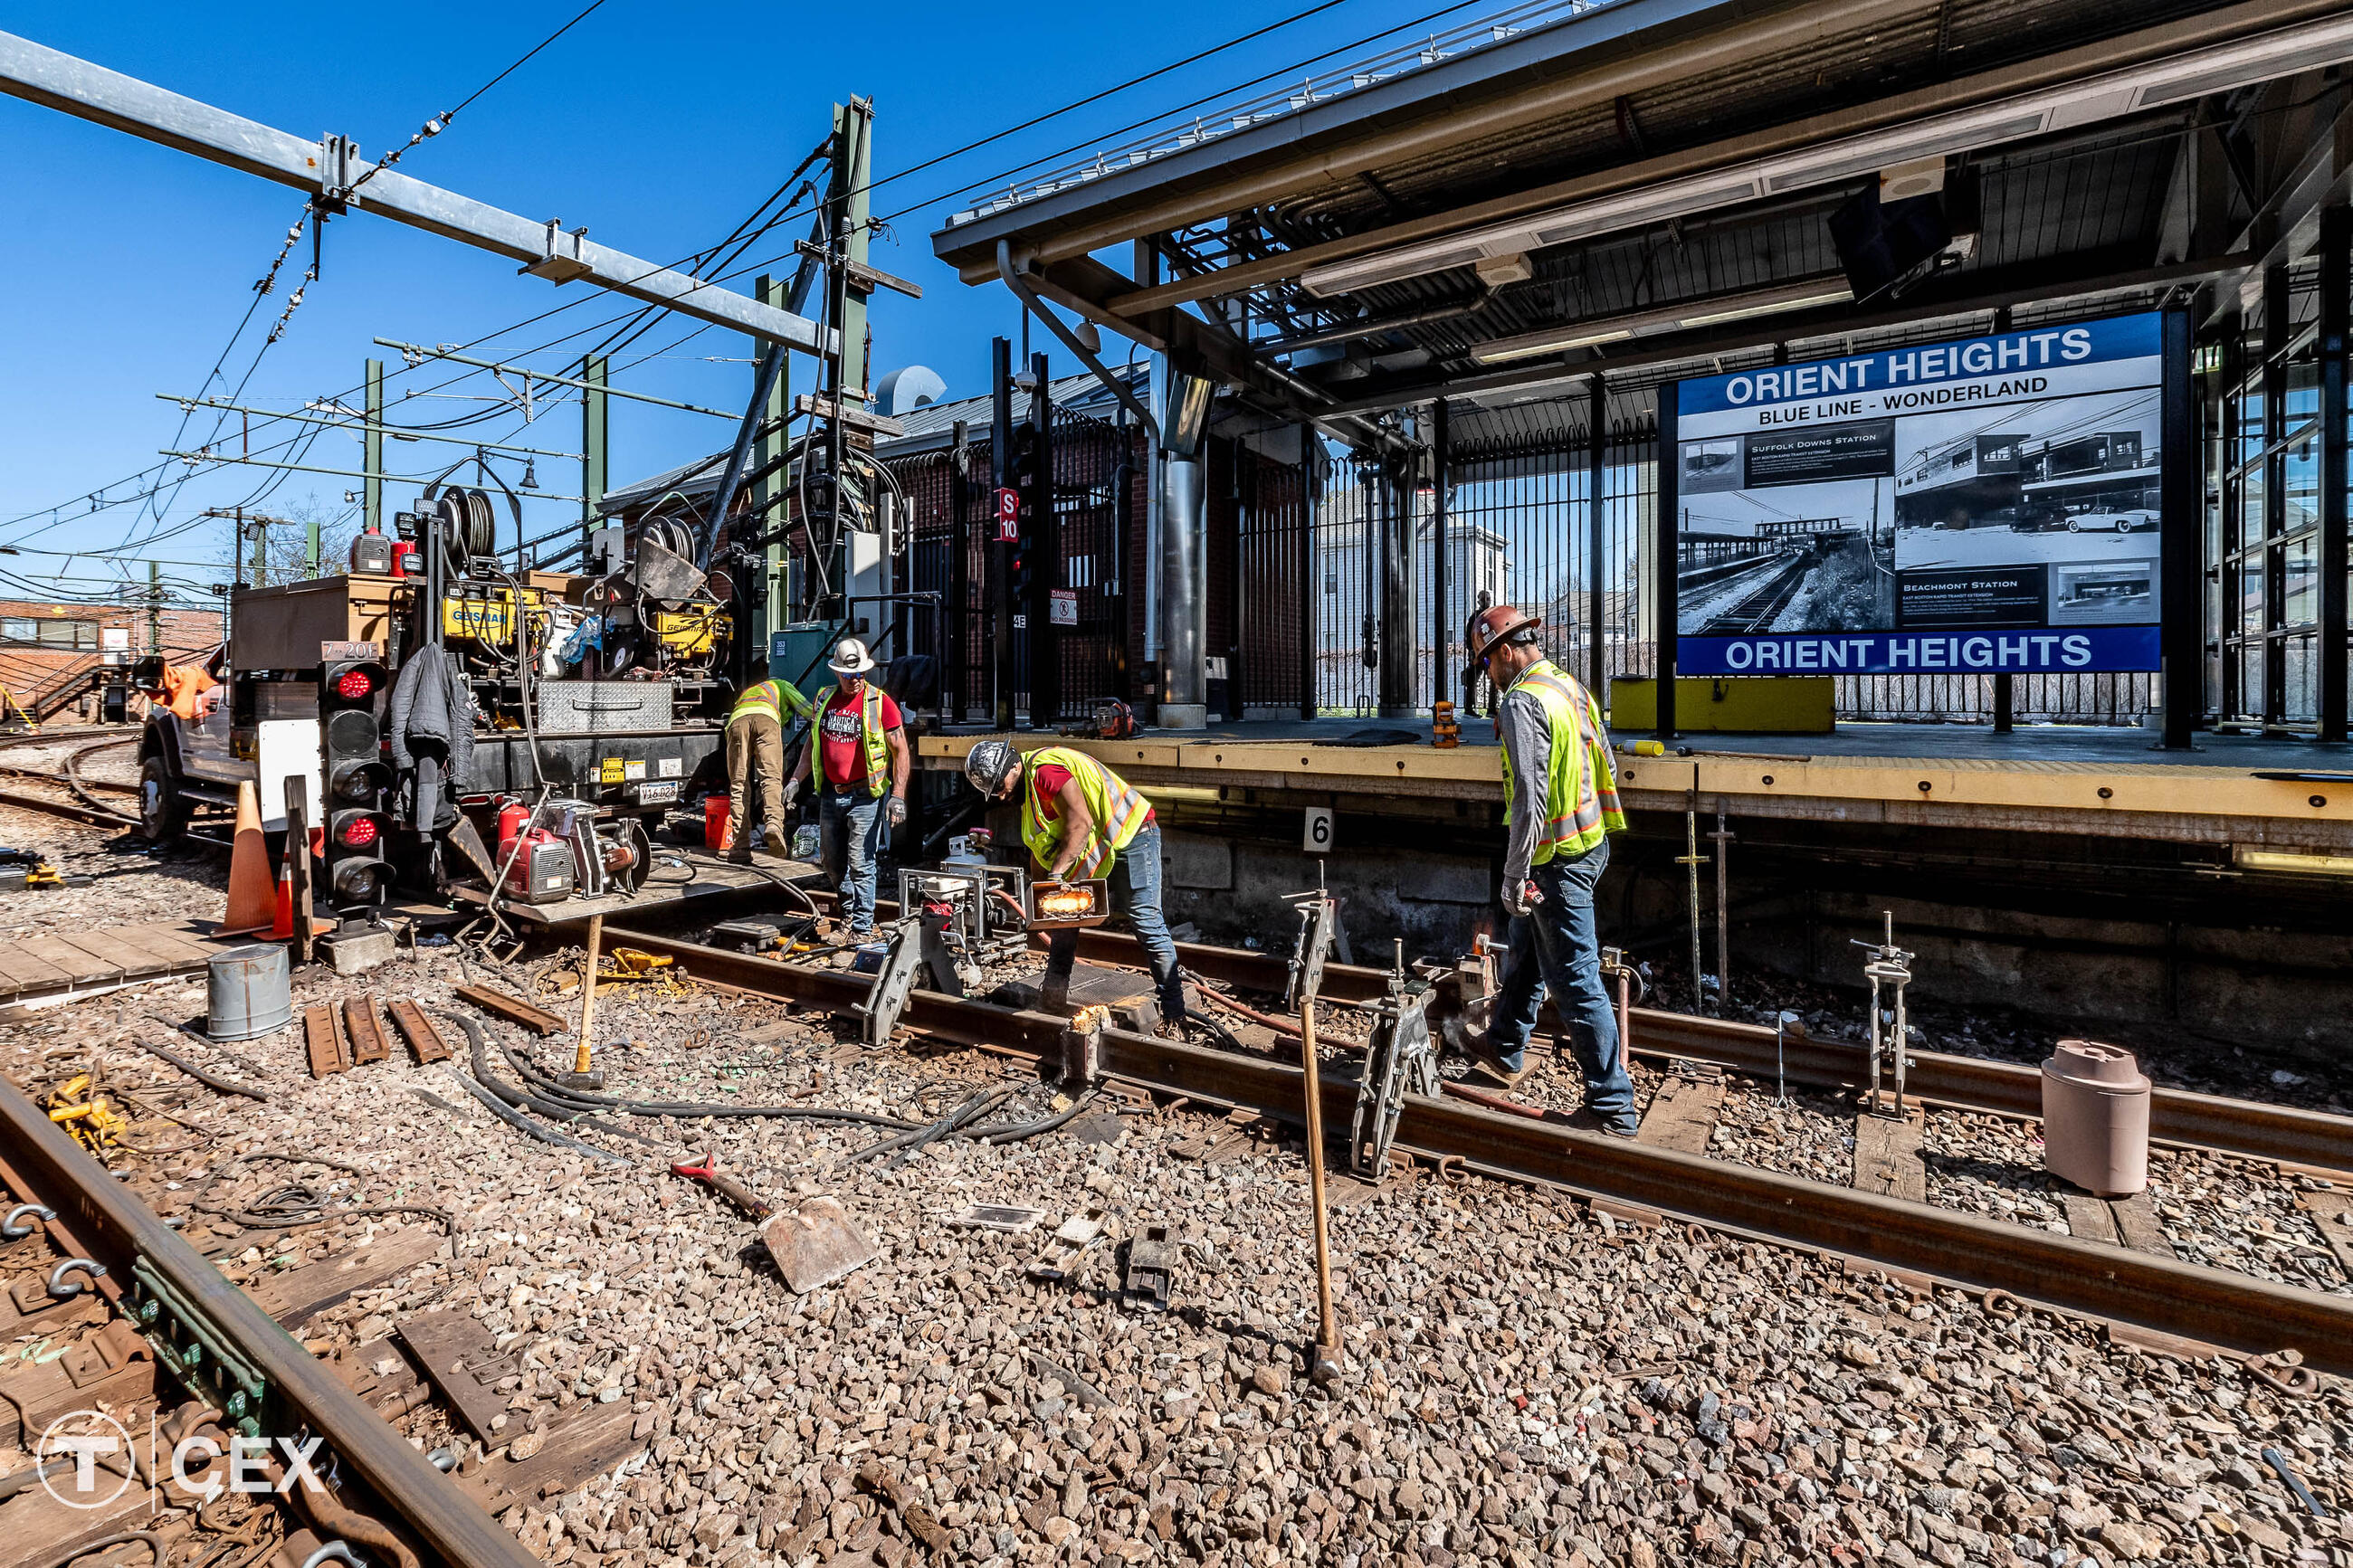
<point x="355" y="783"/>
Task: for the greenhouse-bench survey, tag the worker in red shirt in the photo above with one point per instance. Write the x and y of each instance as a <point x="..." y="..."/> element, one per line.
<point x="859" y="740"/>
<point x="1079" y="818"/>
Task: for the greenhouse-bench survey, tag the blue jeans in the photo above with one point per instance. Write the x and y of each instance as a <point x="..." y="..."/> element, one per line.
<point x="850" y="827"/>
<point x="1135" y="893"/>
<point x="1558" y="946"/>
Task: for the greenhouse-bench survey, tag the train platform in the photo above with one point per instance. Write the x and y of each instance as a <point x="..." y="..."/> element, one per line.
<point x="2247" y="792"/>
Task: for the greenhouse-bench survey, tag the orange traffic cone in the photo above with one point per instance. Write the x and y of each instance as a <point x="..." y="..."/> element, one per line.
<point x="282" y="928"/>
<point x="252" y="901"/>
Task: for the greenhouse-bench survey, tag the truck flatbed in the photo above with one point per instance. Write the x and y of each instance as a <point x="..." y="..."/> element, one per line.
<point x="714" y="874"/>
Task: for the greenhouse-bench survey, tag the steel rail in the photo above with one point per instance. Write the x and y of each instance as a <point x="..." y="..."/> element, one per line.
<point x="2282" y="1134"/>
<point x="103" y="1215"/>
<point x="2178" y="1300"/>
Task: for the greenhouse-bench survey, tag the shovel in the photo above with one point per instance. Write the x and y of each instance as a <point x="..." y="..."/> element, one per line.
<point x="812" y="1247"/>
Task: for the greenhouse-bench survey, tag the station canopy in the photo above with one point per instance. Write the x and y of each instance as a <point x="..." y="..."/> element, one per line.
<point x="1653" y="188"/>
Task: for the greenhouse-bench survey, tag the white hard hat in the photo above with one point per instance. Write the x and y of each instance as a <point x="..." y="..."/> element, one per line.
<point x="851" y="658"/>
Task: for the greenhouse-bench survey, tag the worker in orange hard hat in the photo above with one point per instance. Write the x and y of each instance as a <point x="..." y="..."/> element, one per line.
<point x="1560" y="797"/>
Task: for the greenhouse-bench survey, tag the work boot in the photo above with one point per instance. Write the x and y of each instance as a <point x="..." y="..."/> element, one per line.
<point x="1054" y="994"/>
<point x="1485" y="1058"/>
<point x="1585" y="1119"/>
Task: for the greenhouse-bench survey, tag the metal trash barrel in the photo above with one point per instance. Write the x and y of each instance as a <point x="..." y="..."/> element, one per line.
<point x="247" y="992"/>
<point x="2095" y="1119"/>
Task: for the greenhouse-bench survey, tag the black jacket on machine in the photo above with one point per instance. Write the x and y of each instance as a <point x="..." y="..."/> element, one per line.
<point x="430" y="726"/>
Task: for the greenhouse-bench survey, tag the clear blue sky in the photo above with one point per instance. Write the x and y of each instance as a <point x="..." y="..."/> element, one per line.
<point x="124" y="266"/>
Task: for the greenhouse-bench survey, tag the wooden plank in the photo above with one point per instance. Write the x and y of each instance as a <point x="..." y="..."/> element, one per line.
<point x="418" y="1030"/>
<point x="21" y="971"/>
<point x="1682" y="1115"/>
<point x="580" y="1444"/>
<point x="2332" y="1211"/>
<point x="2137" y="1226"/>
<point x="136" y="959"/>
<point x="1887" y="1157"/>
<point x="361" y="1029"/>
<point x="323" y="1037"/>
<point x="513" y="1009"/>
<point x="85" y="969"/>
<point x="181" y="947"/>
<point x="2089" y="1219"/>
<point x="301" y="1294"/>
<point x="462" y="1361"/>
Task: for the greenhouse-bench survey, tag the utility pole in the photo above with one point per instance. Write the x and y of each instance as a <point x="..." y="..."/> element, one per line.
<point x="372" y="486"/>
<point x="594" y="370"/>
<point x="154" y="607"/>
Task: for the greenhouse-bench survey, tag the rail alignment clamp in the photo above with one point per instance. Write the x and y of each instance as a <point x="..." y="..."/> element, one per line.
<point x="122" y="1233"/>
<point x="2234" y="1311"/>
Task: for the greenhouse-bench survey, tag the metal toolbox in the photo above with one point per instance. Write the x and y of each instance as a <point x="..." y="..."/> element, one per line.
<point x="603" y="707"/>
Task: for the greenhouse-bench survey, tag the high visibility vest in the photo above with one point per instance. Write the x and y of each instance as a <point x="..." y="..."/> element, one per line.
<point x="1118" y="811"/>
<point x="1581" y="790"/>
<point x="870" y="740"/>
<point x="772" y="698"/>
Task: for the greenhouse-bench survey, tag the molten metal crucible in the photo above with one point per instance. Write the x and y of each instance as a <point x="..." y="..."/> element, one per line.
<point x="1063" y="903"/>
<point x="1072" y="904"/>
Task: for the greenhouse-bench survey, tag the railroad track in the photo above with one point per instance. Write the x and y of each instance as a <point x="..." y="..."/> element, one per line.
<point x="1756" y="610"/>
<point x="174" y="1337"/>
<point x="2151" y="1298"/>
<point x="87" y="803"/>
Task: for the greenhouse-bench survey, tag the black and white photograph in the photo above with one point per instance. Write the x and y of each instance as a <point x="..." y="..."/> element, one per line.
<point x="2068" y="479"/>
<point x="1791" y="558"/>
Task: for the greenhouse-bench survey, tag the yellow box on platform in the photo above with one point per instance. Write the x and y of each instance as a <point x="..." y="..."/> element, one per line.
<point x="1736" y="705"/>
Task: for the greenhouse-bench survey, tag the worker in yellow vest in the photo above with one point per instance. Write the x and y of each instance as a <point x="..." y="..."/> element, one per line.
<point x="755" y="750"/>
<point x="1560" y="796"/>
<point x="860" y="744"/>
<point x="1081" y="820"/>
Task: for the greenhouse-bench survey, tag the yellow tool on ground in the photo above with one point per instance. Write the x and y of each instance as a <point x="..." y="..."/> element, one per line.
<point x="92" y="1121"/>
<point x="1443" y="730"/>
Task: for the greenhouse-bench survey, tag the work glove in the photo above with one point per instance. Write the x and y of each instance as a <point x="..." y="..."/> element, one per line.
<point x="1521" y="898"/>
<point x="898" y="811"/>
<point x="792" y="795"/>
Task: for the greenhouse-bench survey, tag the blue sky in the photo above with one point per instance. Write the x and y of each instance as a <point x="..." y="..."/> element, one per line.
<point x="124" y="265"/>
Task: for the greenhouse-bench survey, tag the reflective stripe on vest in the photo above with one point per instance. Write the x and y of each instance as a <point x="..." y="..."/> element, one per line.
<point x="772" y="698"/>
<point x="1581" y="787"/>
<point x="1117" y="810"/>
<point x="870" y="740"/>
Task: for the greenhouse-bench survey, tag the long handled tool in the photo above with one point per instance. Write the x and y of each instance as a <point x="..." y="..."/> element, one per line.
<point x="1306" y="978"/>
<point x="580" y="1077"/>
<point x="814" y="1246"/>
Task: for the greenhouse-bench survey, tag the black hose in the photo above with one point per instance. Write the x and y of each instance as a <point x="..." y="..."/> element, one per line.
<point x="488" y="1093"/>
<point x="209" y="1080"/>
<point x="582" y="1100"/>
<point x="994" y="1135"/>
<point x="972" y="1107"/>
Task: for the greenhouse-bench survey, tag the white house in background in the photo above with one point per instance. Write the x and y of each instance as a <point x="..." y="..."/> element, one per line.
<point x="1478" y="560"/>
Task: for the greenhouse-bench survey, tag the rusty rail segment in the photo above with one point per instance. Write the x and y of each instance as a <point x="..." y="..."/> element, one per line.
<point x="122" y="1231"/>
<point x="2277" y="1132"/>
<point x="2217" y="1307"/>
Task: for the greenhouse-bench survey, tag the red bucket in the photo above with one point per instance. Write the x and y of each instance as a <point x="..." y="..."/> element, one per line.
<point x="714" y="822"/>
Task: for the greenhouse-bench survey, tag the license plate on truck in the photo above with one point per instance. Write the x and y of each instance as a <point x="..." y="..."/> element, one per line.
<point x="652" y="793"/>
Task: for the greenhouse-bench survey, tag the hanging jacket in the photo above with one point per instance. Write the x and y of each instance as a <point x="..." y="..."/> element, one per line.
<point x="429" y="728"/>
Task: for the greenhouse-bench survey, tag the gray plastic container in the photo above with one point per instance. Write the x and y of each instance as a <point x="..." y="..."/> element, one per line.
<point x="249" y="994"/>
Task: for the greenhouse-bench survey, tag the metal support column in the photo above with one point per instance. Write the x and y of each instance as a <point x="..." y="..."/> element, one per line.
<point x="771" y="494"/>
<point x="1663" y="564"/>
<point x="955" y="626"/>
<point x="372" y="446"/>
<point x="1001" y="677"/>
<point x="2336" y="284"/>
<point x="2180" y="637"/>
<point x="1184" y="597"/>
<point x="1310" y="491"/>
<point x="1596" y="547"/>
<point x="595" y="474"/>
<point x="1441" y="625"/>
<point x="1041" y="549"/>
<point x="2005" y="701"/>
<point x="1396" y="590"/>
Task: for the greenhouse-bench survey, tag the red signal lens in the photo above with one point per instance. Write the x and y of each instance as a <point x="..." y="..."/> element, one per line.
<point x="355" y="684"/>
<point x="358" y="833"/>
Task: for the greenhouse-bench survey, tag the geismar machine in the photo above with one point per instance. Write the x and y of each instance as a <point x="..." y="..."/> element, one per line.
<point x="452" y="722"/>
